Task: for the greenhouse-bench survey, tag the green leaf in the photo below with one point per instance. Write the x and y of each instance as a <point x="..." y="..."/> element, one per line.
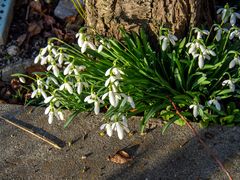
<point x="71" y="117"/>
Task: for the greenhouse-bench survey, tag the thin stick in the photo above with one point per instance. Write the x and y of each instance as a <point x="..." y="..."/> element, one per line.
<point x="210" y="152"/>
<point x="31" y="132"/>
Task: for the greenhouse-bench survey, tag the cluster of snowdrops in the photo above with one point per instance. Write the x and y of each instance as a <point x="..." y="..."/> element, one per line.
<point x="199" y="73"/>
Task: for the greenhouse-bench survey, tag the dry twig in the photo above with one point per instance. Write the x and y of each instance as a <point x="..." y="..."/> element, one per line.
<point x="210" y="152"/>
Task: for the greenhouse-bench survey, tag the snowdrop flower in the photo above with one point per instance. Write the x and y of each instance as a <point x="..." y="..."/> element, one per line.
<point x="66" y="86"/>
<point x="80" y="40"/>
<point x="93" y="98"/>
<point x="100" y="48"/>
<point x="49" y="98"/>
<point x="128" y="99"/>
<point x="215" y="103"/>
<point x="115" y="75"/>
<point x="108" y="128"/>
<point x="49" y="79"/>
<point x="114" y="98"/>
<point x="219" y="32"/>
<point x="120" y="127"/>
<point x="80" y="86"/>
<point x="37" y="92"/>
<point x="235" y="61"/>
<point x="68" y="69"/>
<point x="196" y="108"/>
<point x="225" y="13"/>
<point x="200" y="33"/>
<point x="230" y="84"/>
<point x="233" y="18"/>
<point x="166" y="39"/>
<point x="22" y="80"/>
<point x="54" y="68"/>
<point x="235" y="33"/>
<point x="51" y="111"/>
<point x="37" y="59"/>
<point x="92" y="46"/>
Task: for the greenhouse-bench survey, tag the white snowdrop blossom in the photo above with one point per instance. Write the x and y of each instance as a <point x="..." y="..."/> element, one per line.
<point x="51" y="111"/>
<point x="22" y="80"/>
<point x="93" y="98"/>
<point x="219" y="32"/>
<point x="196" y="108"/>
<point x="200" y="33"/>
<point x="114" y="75"/>
<point x="80" y="86"/>
<point x="120" y="126"/>
<point x="108" y="128"/>
<point x="166" y="39"/>
<point x="54" y="68"/>
<point x="84" y="43"/>
<point x="230" y="84"/>
<point x="100" y="48"/>
<point x="233" y="18"/>
<point x="201" y="52"/>
<point x="66" y="86"/>
<point x="235" y="61"/>
<point x="235" y="33"/>
<point x="128" y="99"/>
<point x="225" y="12"/>
<point x="114" y="98"/>
<point x="215" y="103"/>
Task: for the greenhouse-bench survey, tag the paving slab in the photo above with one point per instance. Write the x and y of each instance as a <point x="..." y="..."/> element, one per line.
<point x="175" y="155"/>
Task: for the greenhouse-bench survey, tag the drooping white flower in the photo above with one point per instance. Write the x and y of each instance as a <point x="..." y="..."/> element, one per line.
<point x="128" y="99"/>
<point x="200" y="33"/>
<point x="37" y="59"/>
<point x="108" y="128"/>
<point x="37" y="92"/>
<point x="120" y="127"/>
<point x="66" y="86"/>
<point x="233" y="18"/>
<point x="80" y="86"/>
<point x="114" y="98"/>
<point x="235" y="33"/>
<point x="60" y="115"/>
<point x="68" y="69"/>
<point x="22" y="80"/>
<point x="166" y="39"/>
<point x="225" y="14"/>
<point x="100" y="48"/>
<point x="84" y="47"/>
<point x="235" y="61"/>
<point x="196" y="108"/>
<point x="80" y="40"/>
<point x="230" y="84"/>
<point x="215" y="103"/>
<point x="54" y="68"/>
<point x="93" y="98"/>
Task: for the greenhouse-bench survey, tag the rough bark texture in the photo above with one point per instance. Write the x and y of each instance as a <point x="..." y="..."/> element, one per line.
<point x="106" y="16"/>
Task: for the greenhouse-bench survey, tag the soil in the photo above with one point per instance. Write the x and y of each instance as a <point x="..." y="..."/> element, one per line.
<point x="33" y="23"/>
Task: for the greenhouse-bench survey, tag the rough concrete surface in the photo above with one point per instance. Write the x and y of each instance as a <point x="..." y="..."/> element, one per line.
<point x="175" y="155"/>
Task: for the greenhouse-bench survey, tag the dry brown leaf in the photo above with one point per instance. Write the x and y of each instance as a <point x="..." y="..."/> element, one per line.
<point x="35" y="68"/>
<point x="36" y="6"/>
<point x="15" y="83"/>
<point x="121" y="157"/>
<point x="49" y="20"/>
<point x="58" y="32"/>
<point x="34" y="28"/>
<point x="71" y="19"/>
<point x="21" y="39"/>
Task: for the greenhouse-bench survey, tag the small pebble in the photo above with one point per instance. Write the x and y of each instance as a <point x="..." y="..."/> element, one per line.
<point x="12" y="50"/>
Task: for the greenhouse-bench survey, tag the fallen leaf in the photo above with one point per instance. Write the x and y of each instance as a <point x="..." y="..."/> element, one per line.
<point x="34" y="28"/>
<point x="49" y="20"/>
<point x="121" y="157"/>
<point x="15" y="83"/>
<point x="36" y="6"/>
<point x="21" y="39"/>
<point x="35" y="68"/>
<point x="71" y="19"/>
<point x="58" y="32"/>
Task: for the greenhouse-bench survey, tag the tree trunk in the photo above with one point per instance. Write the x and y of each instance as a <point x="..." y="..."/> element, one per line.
<point x="106" y="16"/>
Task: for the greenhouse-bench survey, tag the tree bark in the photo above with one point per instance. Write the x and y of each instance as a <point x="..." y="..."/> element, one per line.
<point x="107" y="16"/>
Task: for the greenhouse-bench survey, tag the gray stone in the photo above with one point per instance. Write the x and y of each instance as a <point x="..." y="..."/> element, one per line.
<point x="18" y="67"/>
<point x="174" y="155"/>
<point x="65" y="8"/>
<point x="12" y="50"/>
